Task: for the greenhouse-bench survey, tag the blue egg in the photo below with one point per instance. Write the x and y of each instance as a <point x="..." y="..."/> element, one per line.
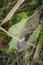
<point x="22" y="40"/>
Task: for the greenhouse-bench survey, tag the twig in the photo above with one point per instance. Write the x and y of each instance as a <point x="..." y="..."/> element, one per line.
<point x="36" y="55"/>
<point x="15" y="37"/>
<point x="9" y="34"/>
<point x="39" y="61"/>
<point x="37" y="51"/>
<point x="10" y="14"/>
<point x="36" y="11"/>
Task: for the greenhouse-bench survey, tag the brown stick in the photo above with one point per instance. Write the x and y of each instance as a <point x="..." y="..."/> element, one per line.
<point x="10" y="14"/>
<point x="36" y="55"/>
<point x="15" y="37"/>
<point x="9" y="34"/>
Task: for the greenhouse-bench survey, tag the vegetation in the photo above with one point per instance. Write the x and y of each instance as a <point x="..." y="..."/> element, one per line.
<point x="21" y="32"/>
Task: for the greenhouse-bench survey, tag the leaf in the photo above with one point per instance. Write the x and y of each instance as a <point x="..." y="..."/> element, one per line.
<point x="22" y="15"/>
<point x="13" y="44"/>
<point x="2" y="36"/>
<point x="17" y="17"/>
<point x="32" y="38"/>
<point x="13" y="62"/>
<point x="40" y="38"/>
<point x="35" y="35"/>
<point x="33" y="2"/>
<point x="15" y="31"/>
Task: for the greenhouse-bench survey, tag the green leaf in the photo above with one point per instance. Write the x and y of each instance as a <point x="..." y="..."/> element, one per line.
<point x="1" y="36"/>
<point x="13" y="62"/>
<point x="40" y="38"/>
<point x="33" y="2"/>
<point x="15" y="31"/>
<point x="13" y="44"/>
<point x="22" y="15"/>
<point x="35" y="35"/>
<point x="17" y="17"/>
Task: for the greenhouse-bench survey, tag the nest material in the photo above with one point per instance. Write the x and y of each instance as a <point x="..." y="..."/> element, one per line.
<point x="31" y="25"/>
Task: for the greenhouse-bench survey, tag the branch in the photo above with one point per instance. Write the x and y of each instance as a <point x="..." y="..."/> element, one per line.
<point x="9" y="34"/>
<point x="27" y="44"/>
<point x="36" y="55"/>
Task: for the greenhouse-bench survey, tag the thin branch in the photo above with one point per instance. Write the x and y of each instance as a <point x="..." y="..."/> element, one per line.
<point x="37" y="51"/>
<point x="9" y="34"/>
<point x="36" y="55"/>
<point x="39" y="61"/>
<point x="15" y="37"/>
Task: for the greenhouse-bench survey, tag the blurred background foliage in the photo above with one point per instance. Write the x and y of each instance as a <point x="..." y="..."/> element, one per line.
<point x="23" y="12"/>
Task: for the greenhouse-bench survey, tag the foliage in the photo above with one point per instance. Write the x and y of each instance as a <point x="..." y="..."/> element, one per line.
<point x="40" y="38"/>
<point x="35" y="35"/>
<point x="1" y="36"/>
<point x="17" y="17"/>
<point x="15" y="26"/>
<point x="35" y="2"/>
<point x="16" y="32"/>
<point x="32" y="38"/>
